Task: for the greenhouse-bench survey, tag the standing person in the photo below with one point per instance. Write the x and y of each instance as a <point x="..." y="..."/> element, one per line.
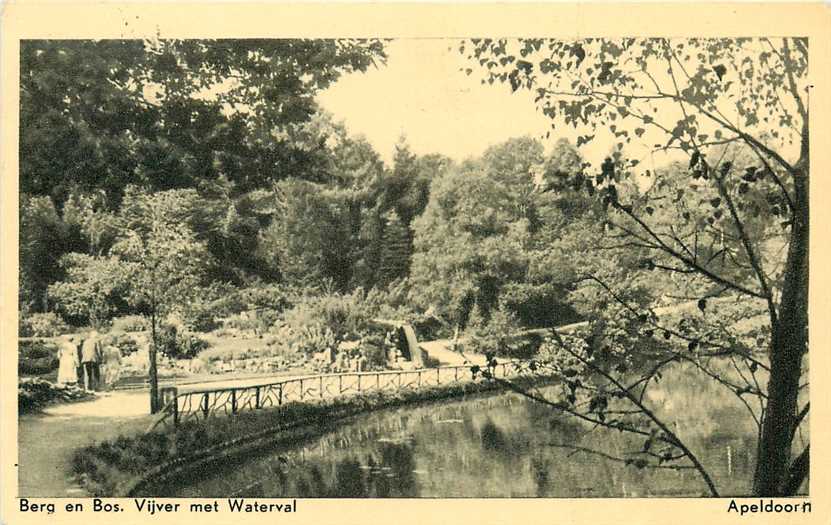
<point x="69" y="361"/>
<point x="110" y="362"/>
<point x="361" y="361"/>
<point x="341" y="363"/>
<point x="91" y="357"/>
<point x="77" y="342"/>
<point x="96" y="367"/>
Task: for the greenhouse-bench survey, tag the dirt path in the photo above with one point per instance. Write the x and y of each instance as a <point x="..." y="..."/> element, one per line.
<point x="48" y="440"/>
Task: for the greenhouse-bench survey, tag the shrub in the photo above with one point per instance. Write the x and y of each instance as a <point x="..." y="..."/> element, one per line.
<point x="177" y="345"/>
<point x="36" y="367"/>
<point x="93" y="290"/>
<point x="131" y="323"/>
<point x="47" y="324"/>
<point x="235" y="323"/>
<point x="270" y="297"/>
<point x="345" y="316"/>
<point x="524" y="347"/>
<point x="210" y="306"/>
<point x="37" y="349"/>
<point x="390" y="302"/>
<point x="498" y="336"/>
<point x="267" y="319"/>
<point x="201" y="318"/>
<point x="312" y="339"/>
<point x="33" y="394"/>
<point x="37" y="358"/>
<point x="428" y="327"/>
<point x="254" y="321"/>
<point x="126" y="344"/>
<point x="374" y="351"/>
<point x="225" y="354"/>
<point x="190" y="346"/>
<point x="220" y="305"/>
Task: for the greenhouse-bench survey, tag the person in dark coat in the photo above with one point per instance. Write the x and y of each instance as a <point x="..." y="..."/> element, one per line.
<point x="91" y="353"/>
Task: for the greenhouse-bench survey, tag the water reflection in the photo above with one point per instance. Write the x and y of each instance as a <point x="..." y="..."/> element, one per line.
<point x="498" y="446"/>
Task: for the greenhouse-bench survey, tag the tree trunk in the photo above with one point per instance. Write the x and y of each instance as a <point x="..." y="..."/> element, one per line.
<point x="788" y="344"/>
<point x="154" y="378"/>
<point x="797" y="474"/>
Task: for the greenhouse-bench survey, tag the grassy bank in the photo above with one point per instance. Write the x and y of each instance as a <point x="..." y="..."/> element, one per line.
<point x="142" y="464"/>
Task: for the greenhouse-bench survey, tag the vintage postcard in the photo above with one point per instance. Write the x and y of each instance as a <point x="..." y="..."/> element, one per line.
<point x="349" y="263"/>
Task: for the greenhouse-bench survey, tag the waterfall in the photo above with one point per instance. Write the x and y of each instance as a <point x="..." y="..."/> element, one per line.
<point x="412" y="343"/>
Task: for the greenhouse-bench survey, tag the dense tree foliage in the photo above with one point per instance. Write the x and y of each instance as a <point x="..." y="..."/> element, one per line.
<point x="395" y="250"/>
<point x="98" y="115"/>
<point x="93" y="290"/>
<point x="226" y="118"/>
<point x="485" y="239"/>
<point x="42" y="237"/>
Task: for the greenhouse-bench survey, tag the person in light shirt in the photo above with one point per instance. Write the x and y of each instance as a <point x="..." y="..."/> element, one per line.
<point x="69" y="361"/>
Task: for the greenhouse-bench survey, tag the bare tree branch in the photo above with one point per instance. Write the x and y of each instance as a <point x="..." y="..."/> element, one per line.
<point x="673" y="438"/>
<point x="800" y="417"/>
<point x="576" y="448"/>
<point x="751" y="253"/>
<point x="687" y="260"/>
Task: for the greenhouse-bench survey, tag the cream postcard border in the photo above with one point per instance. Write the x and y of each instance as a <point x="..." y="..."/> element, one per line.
<point x="64" y="19"/>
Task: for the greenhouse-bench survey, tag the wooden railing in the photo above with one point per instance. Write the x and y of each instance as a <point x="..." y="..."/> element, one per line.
<point x="198" y="405"/>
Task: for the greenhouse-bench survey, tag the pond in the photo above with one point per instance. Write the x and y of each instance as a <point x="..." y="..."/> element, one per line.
<point x="498" y="446"/>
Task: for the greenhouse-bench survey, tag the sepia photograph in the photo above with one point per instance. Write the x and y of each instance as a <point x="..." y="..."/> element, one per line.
<point x="479" y="267"/>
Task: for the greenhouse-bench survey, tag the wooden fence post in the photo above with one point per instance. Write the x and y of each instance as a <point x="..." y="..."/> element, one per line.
<point x="257" y="398"/>
<point x="234" y="401"/>
<point x="205" y="404"/>
<point x="302" y="393"/>
<point x="321" y="387"/>
<point x="280" y="395"/>
<point x="176" y="412"/>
